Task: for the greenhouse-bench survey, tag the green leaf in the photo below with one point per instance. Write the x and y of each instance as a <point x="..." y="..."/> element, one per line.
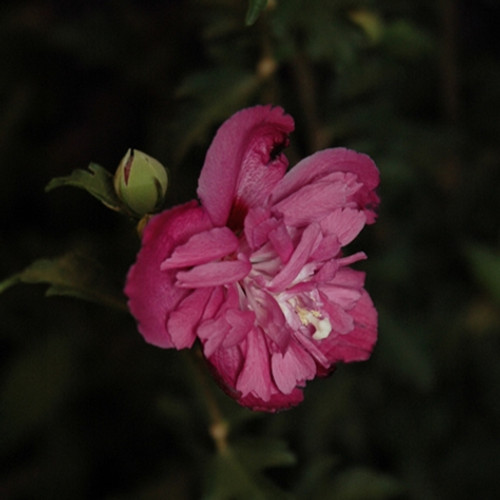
<point x="237" y="471"/>
<point x="72" y="275"/>
<point x="96" y="180"/>
<point x="255" y="7"/>
<point x="485" y="265"/>
<point x="259" y="453"/>
<point x="360" y="483"/>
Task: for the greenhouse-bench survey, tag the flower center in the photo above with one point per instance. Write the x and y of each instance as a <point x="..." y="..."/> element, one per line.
<point x="297" y="314"/>
<point x="322" y="326"/>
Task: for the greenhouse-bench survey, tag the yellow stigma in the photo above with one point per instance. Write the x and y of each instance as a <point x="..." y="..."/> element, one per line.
<point x="323" y="327"/>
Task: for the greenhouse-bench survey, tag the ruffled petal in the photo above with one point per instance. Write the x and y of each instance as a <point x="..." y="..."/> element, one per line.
<point x="309" y="241"/>
<point x="184" y="319"/>
<point x="255" y="376"/>
<point x="152" y="293"/>
<point x="313" y="202"/>
<point x="344" y="223"/>
<point x="213" y="274"/>
<point x="241" y="322"/>
<point x="357" y="345"/>
<point x="203" y="247"/>
<point x="322" y="163"/>
<point x="292" y="368"/>
<point x="244" y="163"/>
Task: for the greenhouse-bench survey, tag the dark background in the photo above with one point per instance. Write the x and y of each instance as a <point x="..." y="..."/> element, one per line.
<point x="87" y="409"/>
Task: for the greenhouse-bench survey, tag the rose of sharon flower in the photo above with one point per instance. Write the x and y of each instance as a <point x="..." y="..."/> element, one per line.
<point x="255" y="271"/>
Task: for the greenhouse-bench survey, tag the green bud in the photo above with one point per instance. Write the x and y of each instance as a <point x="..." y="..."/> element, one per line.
<point x="141" y="182"/>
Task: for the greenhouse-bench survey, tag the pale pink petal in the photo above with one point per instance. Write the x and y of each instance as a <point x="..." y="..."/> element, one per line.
<point x="203" y="247"/>
<point x="243" y="163"/>
<point x="310" y="239"/>
<point x="183" y="320"/>
<point x="213" y="274"/>
<point x="322" y="163"/>
<point x="292" y="368"/>
<point x="269" y="316"/>
<point x="152" y="293"/>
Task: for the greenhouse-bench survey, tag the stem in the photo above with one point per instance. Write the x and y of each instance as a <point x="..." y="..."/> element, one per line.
<point x="218" y="428"/>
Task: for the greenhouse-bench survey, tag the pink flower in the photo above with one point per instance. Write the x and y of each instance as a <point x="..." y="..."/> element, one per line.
<point x="256" y="270"/>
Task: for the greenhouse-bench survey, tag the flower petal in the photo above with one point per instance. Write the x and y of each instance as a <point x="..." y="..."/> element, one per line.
<point x="241" y="323"/>
<point x="292" y="368"/>
<point x="152" y="294"/>
<point x="307" y="244"/>
<point x="213" y="274"/>
<point x="255" y="376"/>
<point x="314" y="201"/>
<point x="242" y="164"/>
<point x="322" y="163"/>
<point x="184" y="319"/>
<point x="358" y="344"/>
<point x="203" y="247"/>
<point x="344" y="223"/>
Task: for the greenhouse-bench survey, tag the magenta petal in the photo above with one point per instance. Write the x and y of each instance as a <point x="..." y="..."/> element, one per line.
<point x="282" y="242"/>
<point x="315" y="201"/>
<point x="292" y="368"/>
<point x="241" y="163"/>
<point x="255" y="376"/>
<point x="184" y="319"/>
<point x="258" y="223"/>
<point x="278" y="401"/>
<point x="213" y="274"/>
<point x="340" y="320"/>
<point x="203" y="247"/>
<point x="152" y="294"/>
<point x="322" y="163"/>
<point x="344" y="223"/>
<point x="358" y="344"/>
<point x="212" y="333"/>
<point x="241" y="323"/>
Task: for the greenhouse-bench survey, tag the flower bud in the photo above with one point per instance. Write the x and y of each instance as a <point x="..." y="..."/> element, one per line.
<point x="141" y="182"/>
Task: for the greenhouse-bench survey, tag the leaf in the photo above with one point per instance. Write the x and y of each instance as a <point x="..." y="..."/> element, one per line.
<point x="96" y="180"/>
<point x="485" y="265"/>
<point x="260" y="453"/>
<point x="237" y="471"/>
<point x="71" y="274"/>
<point x="360" y="483"/>
<point x="255" y="7"/>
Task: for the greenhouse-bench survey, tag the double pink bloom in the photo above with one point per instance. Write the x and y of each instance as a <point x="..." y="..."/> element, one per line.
<point x="256" y="271"/>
